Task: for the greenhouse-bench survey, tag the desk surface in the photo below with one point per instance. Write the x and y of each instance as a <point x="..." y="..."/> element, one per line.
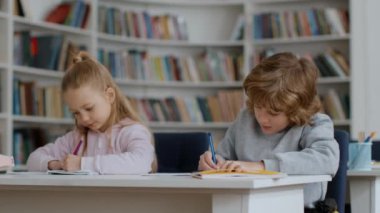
<point x="128" y="181"/>
<point x="370" y="173"/>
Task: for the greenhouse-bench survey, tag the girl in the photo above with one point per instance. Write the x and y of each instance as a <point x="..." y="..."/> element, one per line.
<point x="281" y="129"/>
<point x="109" y="137"/>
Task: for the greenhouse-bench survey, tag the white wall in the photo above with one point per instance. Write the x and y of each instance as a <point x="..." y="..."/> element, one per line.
<point x="365" y="93"/>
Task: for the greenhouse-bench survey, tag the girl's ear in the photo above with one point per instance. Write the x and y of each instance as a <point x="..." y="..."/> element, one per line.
<point x="110" y="94"/>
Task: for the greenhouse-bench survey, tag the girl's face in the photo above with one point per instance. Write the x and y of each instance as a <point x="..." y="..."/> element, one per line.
<point x="270" y="122"/>
<point x="90" y="107"/>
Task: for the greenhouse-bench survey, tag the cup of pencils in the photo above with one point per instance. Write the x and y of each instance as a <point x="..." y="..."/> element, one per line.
<point x="360" y="152"/>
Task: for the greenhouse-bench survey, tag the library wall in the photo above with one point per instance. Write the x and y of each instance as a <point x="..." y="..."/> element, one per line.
<point x="165" y="71"/>
<point x="365" y="49"/>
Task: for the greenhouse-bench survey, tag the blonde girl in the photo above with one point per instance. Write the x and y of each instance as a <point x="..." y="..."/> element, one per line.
<point x="109" y="137"/>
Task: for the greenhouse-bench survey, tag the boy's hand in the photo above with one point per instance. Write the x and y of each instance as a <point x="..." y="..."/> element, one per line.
<point x="205" y="162"/>
<point x="242" y="166"/>
<point x="55" y="165"/>
<point x="72" y="163"/>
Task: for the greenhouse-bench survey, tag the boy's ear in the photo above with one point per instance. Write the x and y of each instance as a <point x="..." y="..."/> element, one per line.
<point x="110" y="94"/>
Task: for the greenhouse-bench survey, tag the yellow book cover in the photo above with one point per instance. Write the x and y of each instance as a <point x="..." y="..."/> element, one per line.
<point x="211" y="174"/>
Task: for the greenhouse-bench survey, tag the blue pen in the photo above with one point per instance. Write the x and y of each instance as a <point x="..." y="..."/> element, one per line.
<point x="211" y="143"/>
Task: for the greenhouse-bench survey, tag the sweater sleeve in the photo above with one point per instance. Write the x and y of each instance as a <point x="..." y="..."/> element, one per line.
<point x="136" y="157"/>
<point x="226" y="148"/>
<point x="39" y="159"/>
<point x="319" y="152"/>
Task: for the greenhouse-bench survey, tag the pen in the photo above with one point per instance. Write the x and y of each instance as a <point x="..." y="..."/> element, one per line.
<point x="77" y="148"/>
<point x="211" y="143"/>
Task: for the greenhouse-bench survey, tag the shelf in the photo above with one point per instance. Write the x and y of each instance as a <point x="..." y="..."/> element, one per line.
<point x="346" y="122"/>
<point x="3" y="115"/>
<point x="51" y="26"/>
<point x="333" y="80"/>
<point x="143" y="83"/>
<point x="3" y="66"/>
<point x="187" y="126"/>
<point x="180" y="84"/>
<point x="42" y="120"/>
<point x="3" y="15"/>
<point x="38" y="72"/>
<point x="173" y="43"/>
<point x="323" y="38"/>
<point x="187" y="2"/>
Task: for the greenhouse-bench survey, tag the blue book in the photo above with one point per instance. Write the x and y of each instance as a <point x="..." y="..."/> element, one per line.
<point x="148" y="25"/>
<point x="16" y="97"/>
<point x="79" y="16"/>
<point x="312" y="22"/>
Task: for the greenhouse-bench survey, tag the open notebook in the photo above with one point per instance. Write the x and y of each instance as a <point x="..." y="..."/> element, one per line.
<point x="63" y="172"/>
<point x="249" y="174"/>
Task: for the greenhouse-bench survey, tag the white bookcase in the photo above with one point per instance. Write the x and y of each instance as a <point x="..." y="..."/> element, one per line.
<point x="210" y="24"/>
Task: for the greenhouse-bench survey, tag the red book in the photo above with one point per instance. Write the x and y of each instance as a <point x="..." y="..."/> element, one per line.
<point x="59" y="14"/>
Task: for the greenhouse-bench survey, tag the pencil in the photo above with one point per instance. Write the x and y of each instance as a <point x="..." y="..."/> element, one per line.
<point x="370" y="137"/>
<point x="77" y="148"/>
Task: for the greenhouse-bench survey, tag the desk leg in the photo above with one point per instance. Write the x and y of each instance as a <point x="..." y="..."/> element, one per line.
<point x="375" y="196"/>
<point x="360" y="193"/>
<point x="287" y="199"/>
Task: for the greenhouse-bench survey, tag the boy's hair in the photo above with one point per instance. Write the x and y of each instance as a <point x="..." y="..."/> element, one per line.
<point x="284" y="83"/>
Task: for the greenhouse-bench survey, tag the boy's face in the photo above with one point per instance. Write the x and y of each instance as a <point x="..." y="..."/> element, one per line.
<point x="90" y="107"/>
<point x="270" y="122"/>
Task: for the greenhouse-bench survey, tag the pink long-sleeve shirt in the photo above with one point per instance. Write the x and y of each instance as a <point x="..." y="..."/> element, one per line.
<point x="130" y="151"/>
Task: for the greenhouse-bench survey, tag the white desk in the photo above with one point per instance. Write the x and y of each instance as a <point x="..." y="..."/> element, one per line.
<point x="365" y="191"/>
<point x="128" y="193"/>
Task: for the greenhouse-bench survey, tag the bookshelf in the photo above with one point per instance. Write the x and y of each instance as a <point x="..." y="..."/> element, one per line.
<point x="209" y="27"/>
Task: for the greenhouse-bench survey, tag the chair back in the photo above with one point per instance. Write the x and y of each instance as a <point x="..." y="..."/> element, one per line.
<point x="337" y="187"/>
<point x="376" y="150"/>
<point x="180" y="152"/>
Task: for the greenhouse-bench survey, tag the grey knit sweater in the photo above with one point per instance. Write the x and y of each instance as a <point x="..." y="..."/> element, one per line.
<point x="307" y="150"/>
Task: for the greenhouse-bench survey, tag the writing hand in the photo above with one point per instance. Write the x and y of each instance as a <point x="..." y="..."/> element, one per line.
<point x="242" y="166"/>
<point x="72" y="163"/>
<point x="206" y="163"/>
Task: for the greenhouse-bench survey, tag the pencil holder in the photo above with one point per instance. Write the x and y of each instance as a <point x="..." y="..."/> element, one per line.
<point x="359" y="156"/>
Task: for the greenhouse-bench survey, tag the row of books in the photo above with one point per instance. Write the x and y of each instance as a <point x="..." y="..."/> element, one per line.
<point x="139" y="64"/>
<point x="293" y="24"/>
<point x="45" y="51"/>
<point x="331" y="63"/>
<point x="141" y="24"/>
<point x="336" y="105"/>
<point x="31" y="99"/>
<point x="222" y="107"/>
<point x="73" y="13"/>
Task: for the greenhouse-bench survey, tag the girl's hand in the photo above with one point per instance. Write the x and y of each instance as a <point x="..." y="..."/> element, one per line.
<point x="206" y="163"/>
<point x="55" y="165"/>
<point x="72" y="163"/>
